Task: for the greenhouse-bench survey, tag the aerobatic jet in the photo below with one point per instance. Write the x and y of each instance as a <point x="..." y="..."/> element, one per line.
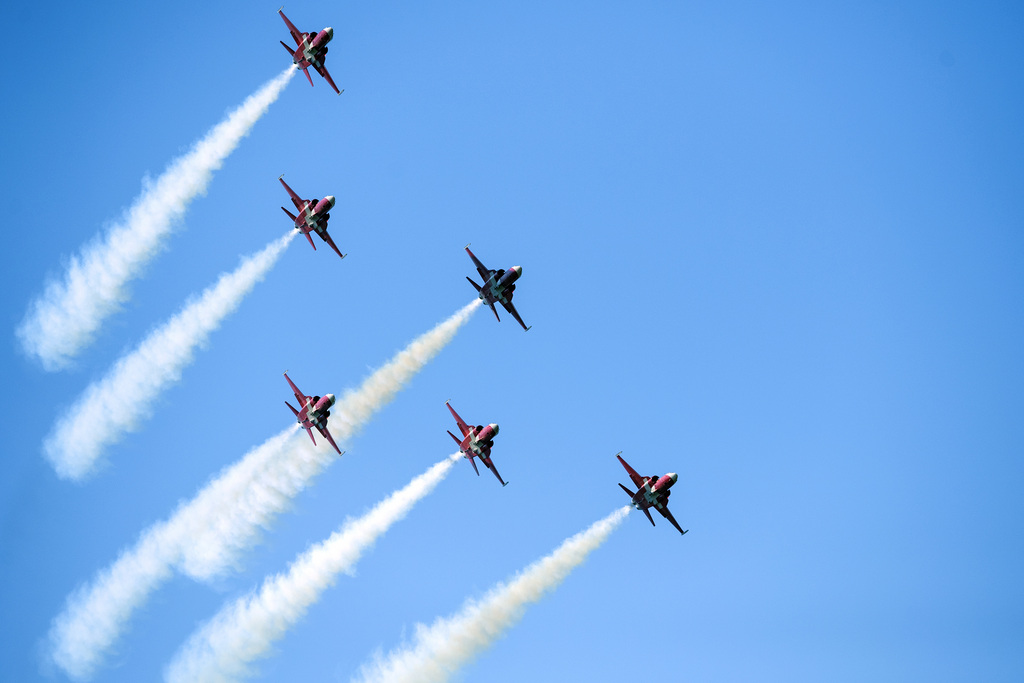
<point x="313" y="216"/>
<point x="498" y="287"/>
<point x="314" y="413"/>
<point x="652" y="492"/>
<point x="311" y="50"/>
<point x="476" y="442"/>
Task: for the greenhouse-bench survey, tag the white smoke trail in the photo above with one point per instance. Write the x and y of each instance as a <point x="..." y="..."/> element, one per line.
<point x="245" y="630"/>
<point x="207" y="535"/>
<point x="67" y="315"/>
<point x="114" y="404"/>
<point x="241" y="518"/>
<point x="96" y="614"/>
<point x="440" y="650"/>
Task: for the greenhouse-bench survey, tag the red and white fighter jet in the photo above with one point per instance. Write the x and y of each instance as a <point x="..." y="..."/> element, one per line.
<point x="476" y="442"/>
<point x="313" y="216"/>
<point x="653" y="493"/>
<point x="314" y="413"/>
<point x="311" y="51"/>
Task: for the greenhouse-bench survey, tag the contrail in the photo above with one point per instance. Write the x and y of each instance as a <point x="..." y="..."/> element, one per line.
<point x="207" y="535"/>
<point x="66" y="316"/>
<point x="440" y="650"/>
<point x="245" y="630"/>
<point x="114" y="404"/>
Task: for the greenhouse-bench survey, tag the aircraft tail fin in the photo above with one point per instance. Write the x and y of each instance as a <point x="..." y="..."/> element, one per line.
<point x="290" y="214"/>
<point x="648" y="513"/>
<point x="310" y="238"/>
<point x="293" y="409"/>
<point x="475" y="285"/>
<point x="628" y="492"/>
<point x="285" y="46"/>
<point x="473" y="463"/>
<point x="310" y="78"/>
<point x="457" y="440"/>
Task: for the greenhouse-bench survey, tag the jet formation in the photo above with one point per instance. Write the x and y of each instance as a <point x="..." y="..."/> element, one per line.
<point x="498" y="287"/>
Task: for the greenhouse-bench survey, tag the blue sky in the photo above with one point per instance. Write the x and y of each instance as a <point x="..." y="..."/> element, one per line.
<point x="775" y="250"/>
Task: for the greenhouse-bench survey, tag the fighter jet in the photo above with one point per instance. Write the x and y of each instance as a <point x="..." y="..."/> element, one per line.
<point x="311" y="51"/>
<point x="653" y="493"/>
<point x="476" y="442"/>
<point x="498" y="287"/>
<point x="313" y="216"/>
<point x="314" y="413"/>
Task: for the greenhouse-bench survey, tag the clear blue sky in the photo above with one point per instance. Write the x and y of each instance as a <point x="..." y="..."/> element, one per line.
<point x="777" y="250"/>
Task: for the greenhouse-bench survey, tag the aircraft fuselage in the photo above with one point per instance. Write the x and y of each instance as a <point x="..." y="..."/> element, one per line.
<point x="312" y="49"/>
<point x="500" y="285"/>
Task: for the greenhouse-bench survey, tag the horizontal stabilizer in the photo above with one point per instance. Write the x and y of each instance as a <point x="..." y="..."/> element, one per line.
<point x="293" y="409"/>
<point x="475" y="285"/>
<point x="285" y="46"/>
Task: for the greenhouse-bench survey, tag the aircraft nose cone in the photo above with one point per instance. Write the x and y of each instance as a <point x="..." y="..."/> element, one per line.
<point x="494" y="428"/>
<point x="517" y="269"/>
<point x="331" y="398"/>
<point x="673" y="476"/>
<point x="330" y="32"/>
<point x="330" y="199"/>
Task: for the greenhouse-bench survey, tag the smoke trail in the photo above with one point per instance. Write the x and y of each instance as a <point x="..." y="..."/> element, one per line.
<point x="113" y="405"/>
<point x="66" y="316"/>
<point x="96" y="614"/>
<point x="448" y="644"/>
<point x="241" y="518"/>
<point x="246" y="629"/>
<point x="207" y="535"/>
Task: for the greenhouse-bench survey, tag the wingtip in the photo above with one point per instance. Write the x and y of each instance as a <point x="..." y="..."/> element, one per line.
<point x="467" y="245"/>
<point x="280" y="176"/>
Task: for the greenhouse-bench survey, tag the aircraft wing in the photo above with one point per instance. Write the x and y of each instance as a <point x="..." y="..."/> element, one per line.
<point x="322" y="70"/>
<point x="637" y="479"/>
<point x="327" y="435"/>
<point x="490" y="466"/>
<point x="327" y="238"/>
<point x="299" y="396"/>
<point x="485" y="273"/>
<point x="463" y="427"/>
<point x="668" y="515"/>
<point x="298" y="201"/>
<point x="296" y="33"/>
<point x="510" y="307"/>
